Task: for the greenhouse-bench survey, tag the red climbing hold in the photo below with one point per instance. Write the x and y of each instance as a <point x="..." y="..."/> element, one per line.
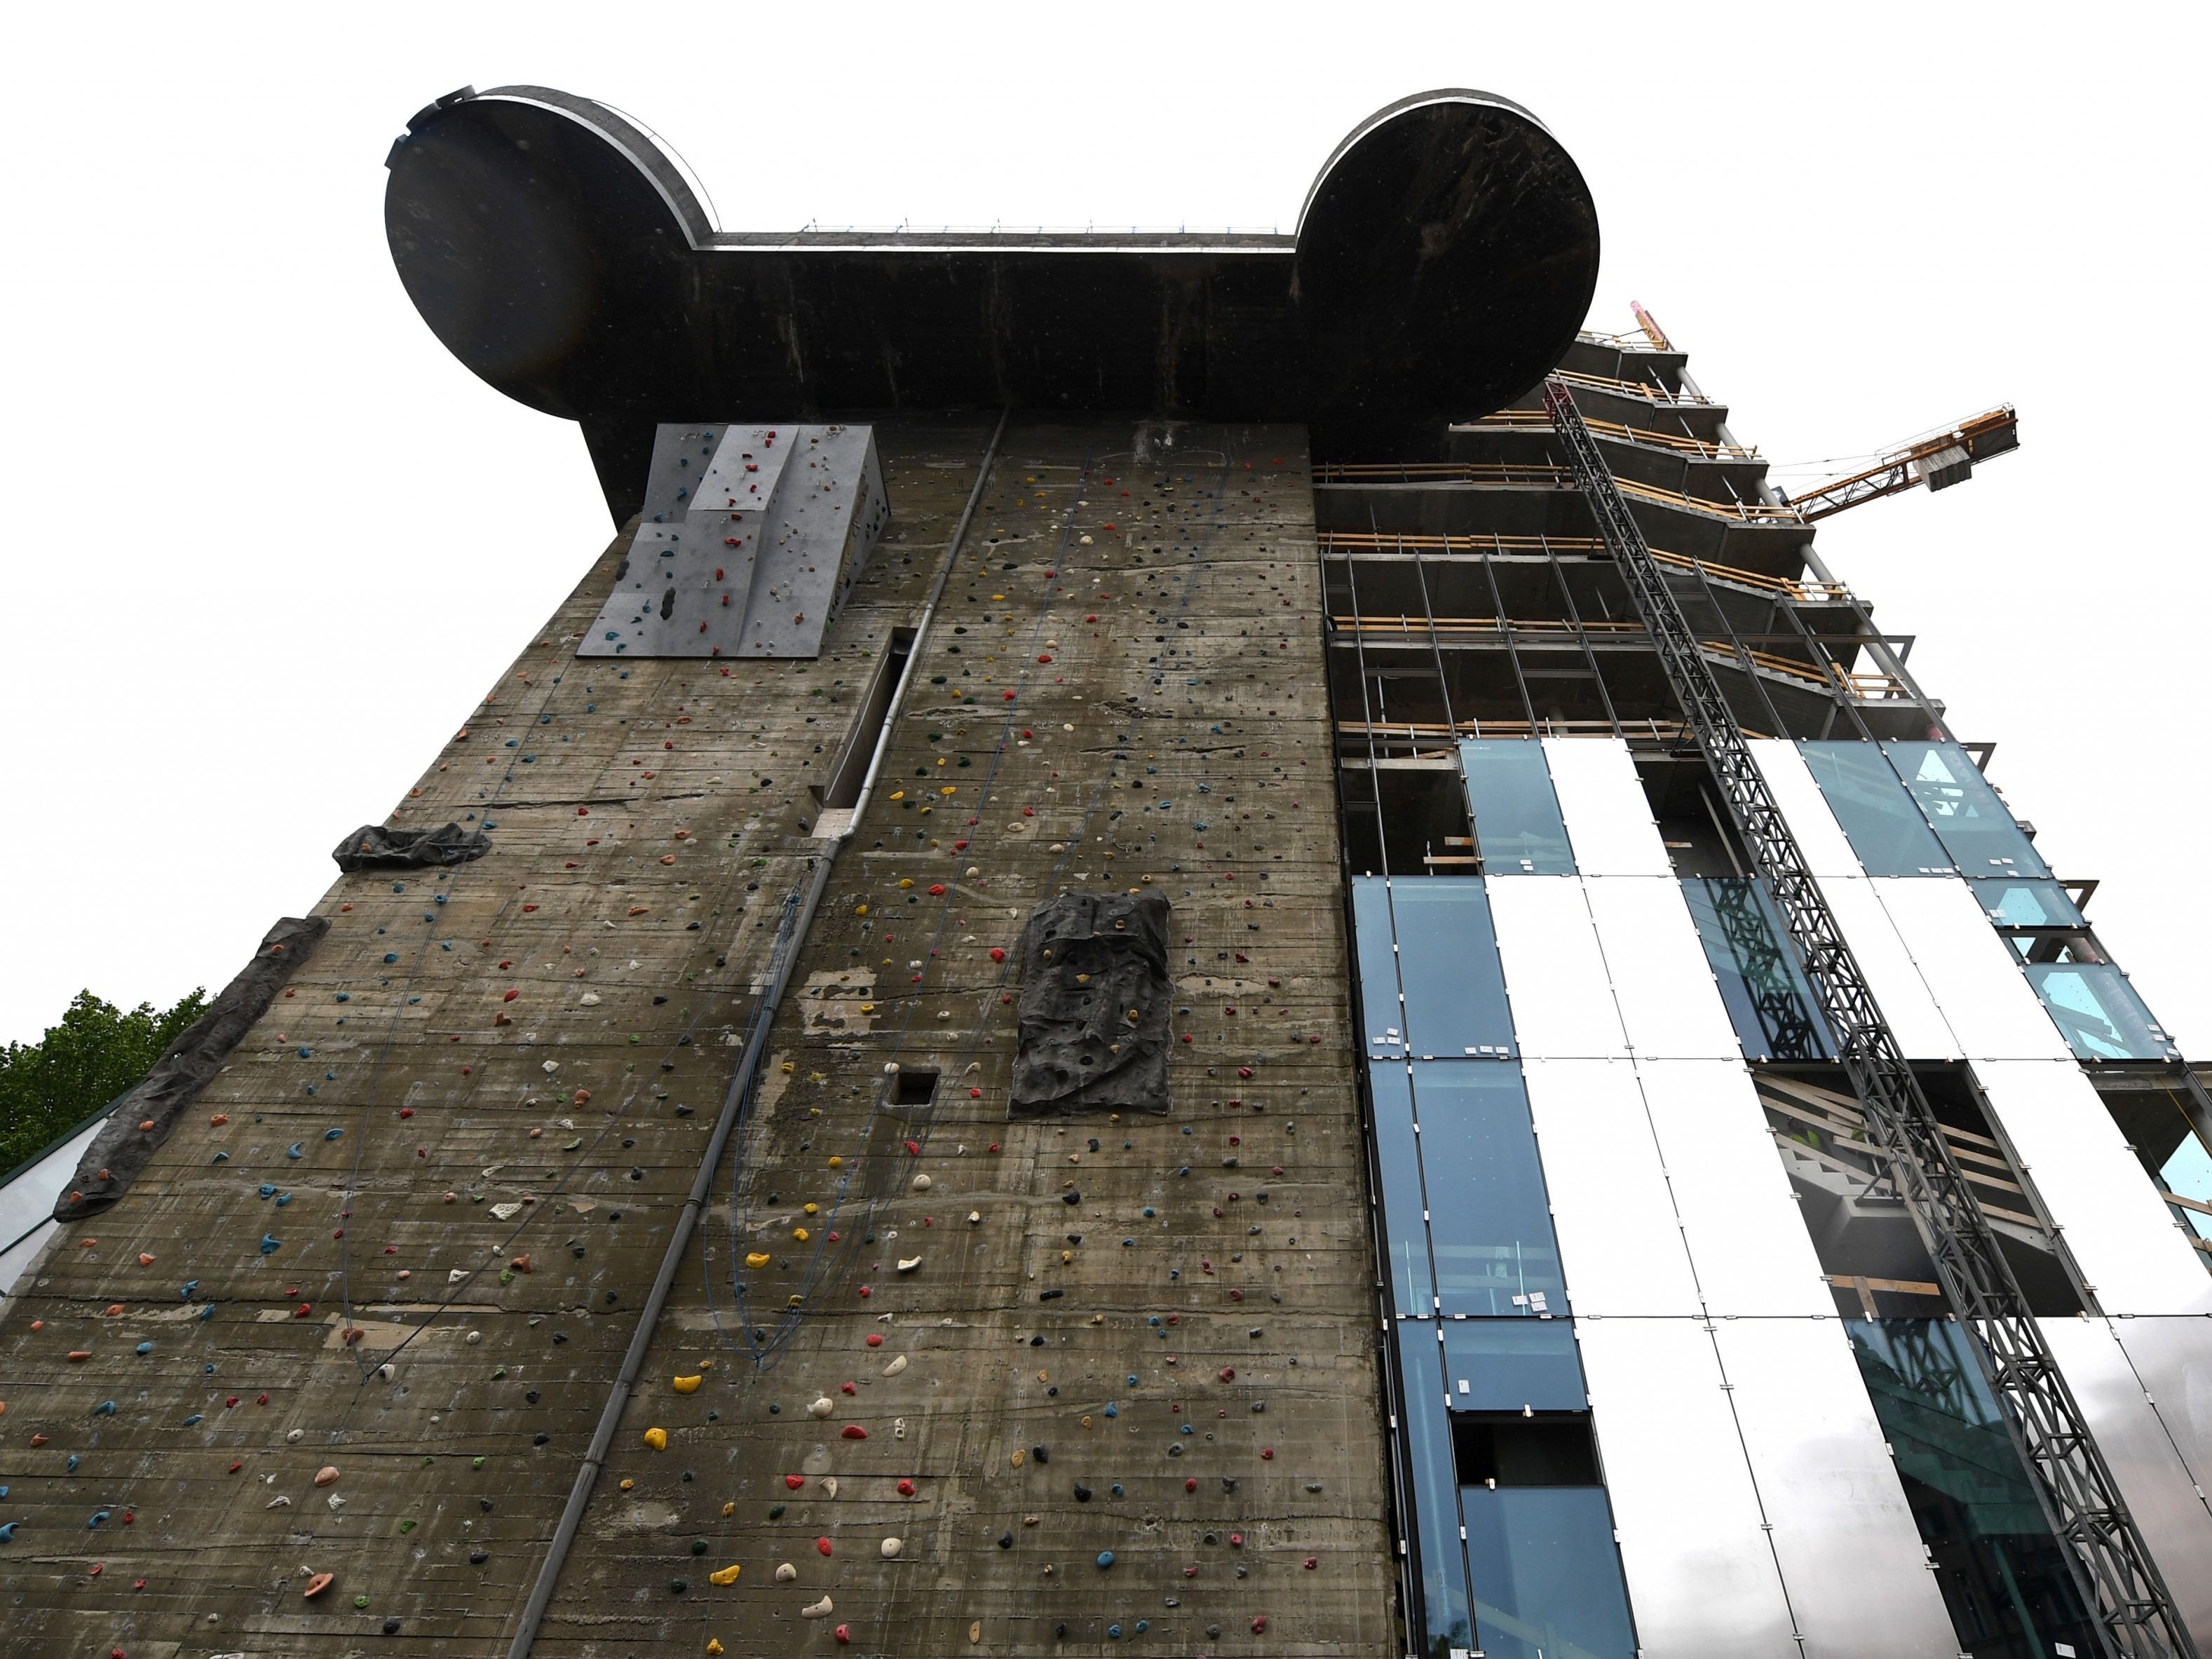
<point x="854" y="1431"/>
<point x="906" y="1489"/>
<point x="1260" y="1625"/>
<point x="997" y="955"/>
<point x="1266" y="1454"/>
<point x="936" y="889"/>
<point x="1190" y="1485"/>
<point x="822" y="1544"/>
<point x="846" y="1388"/>
<point x="1312" y="1561"/>
<point x="843" y="1633"/>
<point x="913" y="1149"/>
<point x="794" y="1482"/>
<point x="511" y="996"/>
<point x="1227" y="1373"/>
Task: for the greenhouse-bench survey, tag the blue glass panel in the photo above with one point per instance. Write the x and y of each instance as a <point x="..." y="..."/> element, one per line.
<point x="2099" y="1011"/>
<point x="2189" y="1172"/>
<point x="1885" y="827"/>
<point x="1768" y="998"/>
<point x="2028" y="904"/>
<point x="1490" y="1222"/>
<point x="1405" y="1235"/>
<point x="1378" y="967"/>
<point x="1518" y="827"/>
<point x="1975" y="828"/>
<point x="1505" y="1364"/>
<point x="1448" y="960"/>
<point x="1428" y="1451"/>
<point x="1546" y="1572"/>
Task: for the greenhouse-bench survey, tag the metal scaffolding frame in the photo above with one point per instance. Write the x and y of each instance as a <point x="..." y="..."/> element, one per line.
<point x="2104" y="1550"/>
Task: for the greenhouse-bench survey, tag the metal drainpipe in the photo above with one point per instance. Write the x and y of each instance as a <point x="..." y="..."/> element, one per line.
<point x="587" y="1475"/>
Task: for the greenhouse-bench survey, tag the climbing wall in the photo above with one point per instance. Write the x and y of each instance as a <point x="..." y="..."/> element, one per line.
<point x="980" y="1384"/>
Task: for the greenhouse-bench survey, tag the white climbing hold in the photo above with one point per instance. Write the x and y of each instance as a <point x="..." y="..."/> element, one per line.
<point x="336" y="1502"/>
<point x="293" y="1438"/>
<point x="821" y="1609"/>
<point x="387" y="1372"/>
<point x="890" y="1066"/>
<point x="896" y="1366"/>
<point x="589" y="1000"/>
<point x="784" y="1572"/>
<point x="473" y="1337"/>
<point x="892" y="1547"/>
<point x="454" y="1276"/>
<point x="822" y="1407"/>
<point x="829" y="1484"/>
<point x="908" y="1264"/>
<point x="921" y="1183"/>
<point x="509" y="1211"/>
<point x="552" y="1065"/>
<point x="277" y="1504"/>
<point x="974" y="1217"/>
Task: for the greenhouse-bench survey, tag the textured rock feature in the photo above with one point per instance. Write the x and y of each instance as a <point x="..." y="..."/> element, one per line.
<point x="376" y="846"/>
<point x="1093" y="1027"/>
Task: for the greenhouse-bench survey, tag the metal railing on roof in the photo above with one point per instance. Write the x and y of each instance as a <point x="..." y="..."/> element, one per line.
<point x="1798" y="591"/>
<point x="1514" y="474"/>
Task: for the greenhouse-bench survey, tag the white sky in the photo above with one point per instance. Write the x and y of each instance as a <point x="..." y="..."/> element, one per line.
<point x="267" y="542"/>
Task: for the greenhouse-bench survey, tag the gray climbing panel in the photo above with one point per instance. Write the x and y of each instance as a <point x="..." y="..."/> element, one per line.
<point x="747" y="539"/>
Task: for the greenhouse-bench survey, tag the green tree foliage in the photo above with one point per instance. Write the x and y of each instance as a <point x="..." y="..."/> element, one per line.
<point x="98" y="1051"/>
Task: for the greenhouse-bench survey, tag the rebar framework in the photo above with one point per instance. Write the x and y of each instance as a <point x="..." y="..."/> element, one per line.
<point x="2105" y="1551"/>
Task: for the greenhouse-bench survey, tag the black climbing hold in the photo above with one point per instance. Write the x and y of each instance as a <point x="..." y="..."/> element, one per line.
<point x="1082" y="1492"/>
<point x="477" y="1558"/>
<point x="539" y="1439"/>
<point x="1051" y="1294"/>
<point x="1006" y="1541"/>
<point x="1042" y="1454"/>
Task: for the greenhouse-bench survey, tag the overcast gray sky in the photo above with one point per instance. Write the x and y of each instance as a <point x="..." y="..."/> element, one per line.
<point x="267" y="542"/>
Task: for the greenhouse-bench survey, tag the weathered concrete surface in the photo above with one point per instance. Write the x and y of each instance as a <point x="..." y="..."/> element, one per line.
<point x="647" y="831"/>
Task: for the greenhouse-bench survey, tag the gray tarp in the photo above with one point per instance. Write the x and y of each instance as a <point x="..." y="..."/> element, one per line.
<point x="142" y="1118"/>
<point x="373" y="846"/>
<point x="1092" y="1023"/>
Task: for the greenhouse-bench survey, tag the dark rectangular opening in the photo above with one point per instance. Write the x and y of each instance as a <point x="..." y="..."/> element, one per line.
<point x="1523" y="1449"/>
<point x="843" y="788"/>
<point x="914" y="1085"/>
<point x="1407" y="817"/>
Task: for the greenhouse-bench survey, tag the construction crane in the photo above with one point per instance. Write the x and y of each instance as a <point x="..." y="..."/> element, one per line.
<point x="1938" y="460"/>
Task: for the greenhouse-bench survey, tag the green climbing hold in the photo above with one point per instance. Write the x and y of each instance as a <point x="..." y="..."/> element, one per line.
<point x="775" y="1513"/>
<point x="406" y="1526"/>
<point x="698" y="1547"/>
<point x="677" y="1586"/>
<point x="475" y="1462"/>
<point x="361" y="1601"/>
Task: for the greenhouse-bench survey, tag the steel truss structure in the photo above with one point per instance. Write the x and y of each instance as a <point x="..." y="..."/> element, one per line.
<point x="2104" y="1550"/>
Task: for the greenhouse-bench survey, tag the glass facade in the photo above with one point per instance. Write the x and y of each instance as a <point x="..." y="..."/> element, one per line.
<point x="1768" y="1000"/>
<point x="2009" y="904"/>
<point x="1972" y="823"/>
<point x="1518" y="827"/>
<point x="1447" y="961"/>
<point x="2099" y="1012"/>
<point x="1434" y="1483"/>
<point x="2004" y="1580"/>
<point x="1546" y="1573"/>
<point x="1513" y="1364"/>
<point x="1879" y="817"/>
<point x="1490" y="1228"/>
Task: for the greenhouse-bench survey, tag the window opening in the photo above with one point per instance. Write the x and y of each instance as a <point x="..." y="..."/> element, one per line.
<point x="914" y="1085"/>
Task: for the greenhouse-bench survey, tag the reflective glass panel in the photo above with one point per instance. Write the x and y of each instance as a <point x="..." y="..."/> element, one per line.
<point x="1768" y="998"/>
<point x="1518" y="827"/>
<point x="1448" y="959"/>
<point x="1885" y="827"/>
<point x="2189" y="1172"/>
<point x="1547" y="1573"/>
<point x="1405" y="1235"/>
<point x="1428" y="1452"/>
<point x="1972" y="823"/>
<point x="1378" y="968"/>
<point x="1505" y="1364"/>
<point x="2028" y="904"/>
<point x="2099" y="1011"/>
<point x="1489" y="1224"/>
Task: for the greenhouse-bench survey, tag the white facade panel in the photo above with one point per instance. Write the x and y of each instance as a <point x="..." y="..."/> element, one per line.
<point x="1662" y="980"/>
<point x="1969" y="968"/>
<point x="2130" y="1248"/>
<point x="1891" y="974"/>
<point x="1827" y="850"/>
<point x="1849" y="1548"/>
<point x="1701" y="1576"/>
<point x="1555" y="976"/>
<point x="2158" y="1489"/>
<point x="1620" y="1244"/>
<point x="1608" y="815"/>
<point x="1742" y="1224"/>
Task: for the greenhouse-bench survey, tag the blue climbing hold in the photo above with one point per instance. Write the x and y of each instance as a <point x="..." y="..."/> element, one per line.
<point x="282" y="1199"/>
<point x="1132" y="1379"/>
<point x="1105" y="1558"/>
<point x="8" y="1533"/>
<point x="98" y="1516"/>
<point x="270" y="1242"/>
<point x="304" y="1053"/>
<point x="145" y="1347"/>
<point x="1149" y="1212"/>
<point x="104" y="1408"/>
<point x="345" y="996"/>
<point x="1113" y="1410"/>
<point x="184" y="1292"/>
<point x="71" y="1465"/>
<point x="269" y="1191"/>
<point x="192" y="1422"/>
<point x="1143" y="1625"/>
<point x="219" y="1157"/>
<point x="208" y="1312"/>
<point x="293" y="1150"/>
<point x="333" y="1134"/>
<point x="1113" y="1632"/>
<point x="392" y="956"/>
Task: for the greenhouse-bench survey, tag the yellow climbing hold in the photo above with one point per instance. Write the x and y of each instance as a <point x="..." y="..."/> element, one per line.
<point x="898" y="794"/>
<point x="950" y="789"/>
<point x="974" y="1632"/>
<point x="729" y="1510"/>
<point x="728" y="1576"/>
<point x="813" y="1209"/>
<point x="790" y="1066"/>
<point x="1017" y="1457"/>
<point x="628" y="1483"/>
<point x="756" y="1258"/>
<point x="657" y="1438"/>
<point x="905" y="881"/>
<point x="686" y="1384"/>
<point x="713" y="1646"/>
<point x="867" y="1007"/>
<point x="799" y="1233"/>
<point x="836" y="1163"/>
<point x="859" y="909"/>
